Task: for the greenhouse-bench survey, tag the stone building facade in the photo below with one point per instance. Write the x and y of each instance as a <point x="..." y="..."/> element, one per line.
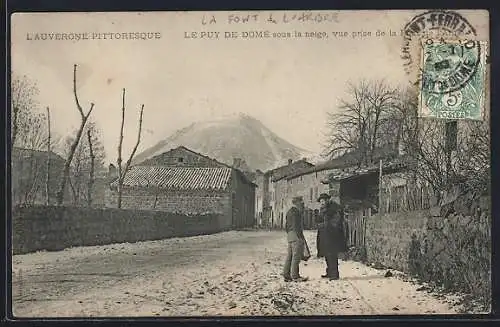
<point x="183" y="181"/>
<point x="273" y="187"/>
<point x="259" y="196"/>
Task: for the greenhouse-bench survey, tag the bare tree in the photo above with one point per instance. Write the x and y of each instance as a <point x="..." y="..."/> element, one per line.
<point x="32" y="142"/>
<point x="88" y="159"/>
<point x="92" y="168"/>
<point x="28" y="166"/>
<point x="378" y="115"/>
<point x="424" y="140"/>
<point x="122" y="171"/>
<point x="67" y="165"/>
<point x="24" y="92"/>
<point x="361" y="124"/>
<point x="37" y="136"/>
<point x="47" y="179"/>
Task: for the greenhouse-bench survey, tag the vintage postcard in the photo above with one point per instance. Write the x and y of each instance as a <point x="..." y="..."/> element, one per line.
<point x="250" y="163"/>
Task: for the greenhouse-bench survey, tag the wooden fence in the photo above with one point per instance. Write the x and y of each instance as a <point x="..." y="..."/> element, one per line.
<point x="356" y="227"/>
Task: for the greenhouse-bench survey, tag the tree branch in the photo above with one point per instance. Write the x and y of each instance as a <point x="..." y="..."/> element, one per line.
<point x="76" y="141"/>
<point x="127" y="166"/>
<point x="119" y="160"/>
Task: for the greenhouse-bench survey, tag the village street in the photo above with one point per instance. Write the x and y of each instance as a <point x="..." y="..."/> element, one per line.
<point x="231" y="273"/>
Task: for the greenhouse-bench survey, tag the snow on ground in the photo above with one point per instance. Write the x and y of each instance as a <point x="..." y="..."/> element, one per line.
<point x="231" y="273"/>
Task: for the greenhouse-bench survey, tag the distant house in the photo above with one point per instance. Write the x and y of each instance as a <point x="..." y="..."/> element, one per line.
<point x="272" y="192"/>
<point x="308" y="183"/>
<point x="259" y="177"/>
<point x="102" y="179"/>
<point x="381" y="185"/>
<point x="29" y="174"/>
<point x="380" y="188"/>
<point x="184" y="181"/>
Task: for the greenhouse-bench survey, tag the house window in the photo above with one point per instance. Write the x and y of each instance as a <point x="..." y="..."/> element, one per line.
<point x="180" y="159"/>
<point x="311" y="194"/>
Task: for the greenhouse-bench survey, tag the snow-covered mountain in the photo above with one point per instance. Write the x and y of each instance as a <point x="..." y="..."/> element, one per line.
<point x="234" y="136"/>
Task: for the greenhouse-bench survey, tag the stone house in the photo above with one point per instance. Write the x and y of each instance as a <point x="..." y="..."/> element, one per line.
<point x="184" y="181"/>
<point x="273" y="192"/>
<point x="29" y="174"/>
<point x="309" y="183"/>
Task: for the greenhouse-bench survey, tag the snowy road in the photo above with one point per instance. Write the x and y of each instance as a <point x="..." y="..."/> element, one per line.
<point x="231" y="273"/>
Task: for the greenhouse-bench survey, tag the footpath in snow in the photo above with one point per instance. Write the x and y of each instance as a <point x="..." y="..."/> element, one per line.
<point x="231" y="273"/>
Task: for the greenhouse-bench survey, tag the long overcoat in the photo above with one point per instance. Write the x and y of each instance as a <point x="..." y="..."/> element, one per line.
<point x="331" y="236"/>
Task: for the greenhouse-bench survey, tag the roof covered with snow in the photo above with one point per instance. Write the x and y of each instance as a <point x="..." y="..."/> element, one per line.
<point x="387" y="167"/>
<point x="344" y="161"/>
<point x="290" y="169"/>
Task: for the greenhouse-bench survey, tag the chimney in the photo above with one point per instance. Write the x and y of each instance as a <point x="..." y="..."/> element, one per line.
<point x="290" y="161"/>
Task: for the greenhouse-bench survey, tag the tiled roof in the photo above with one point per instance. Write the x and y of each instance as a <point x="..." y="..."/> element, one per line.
<point x="179" y="178"/>
<point x="181" y="147"/>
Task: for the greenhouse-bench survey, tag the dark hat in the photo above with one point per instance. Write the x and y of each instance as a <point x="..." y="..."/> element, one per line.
<point x="297" y="199"/>
<point x="324" y="196"/>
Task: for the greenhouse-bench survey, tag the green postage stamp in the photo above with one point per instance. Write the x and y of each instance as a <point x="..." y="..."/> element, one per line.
<point x="453" y="84"/>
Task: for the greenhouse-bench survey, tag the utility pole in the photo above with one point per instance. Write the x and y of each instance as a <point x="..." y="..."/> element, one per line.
<point x="380" y="187"/>
<point x="47" y="180"/>
<point x="450" y="146"/>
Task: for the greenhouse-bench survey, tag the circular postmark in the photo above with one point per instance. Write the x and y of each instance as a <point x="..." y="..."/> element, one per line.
<point x="433" y="24"/>
<point x="448" y="66"/>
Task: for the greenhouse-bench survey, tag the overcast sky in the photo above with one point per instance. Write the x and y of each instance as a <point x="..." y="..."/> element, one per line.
<point x="288" y="84"/>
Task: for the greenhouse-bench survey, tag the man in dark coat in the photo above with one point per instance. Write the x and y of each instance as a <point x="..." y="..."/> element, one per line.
<point x="295" y="240"/>
<point x="331" y="238"/>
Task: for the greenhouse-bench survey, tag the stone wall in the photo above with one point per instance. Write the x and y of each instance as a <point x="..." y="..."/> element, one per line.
<point x="449" y="246"/>
<point x="388" y="237"/>
<point x="186" y="202"/>
<point x="56" y="228"/>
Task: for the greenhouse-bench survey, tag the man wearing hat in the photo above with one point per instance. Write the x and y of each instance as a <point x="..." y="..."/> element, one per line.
<point x="331" y="239"/>
<point x="296" y="241"/>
